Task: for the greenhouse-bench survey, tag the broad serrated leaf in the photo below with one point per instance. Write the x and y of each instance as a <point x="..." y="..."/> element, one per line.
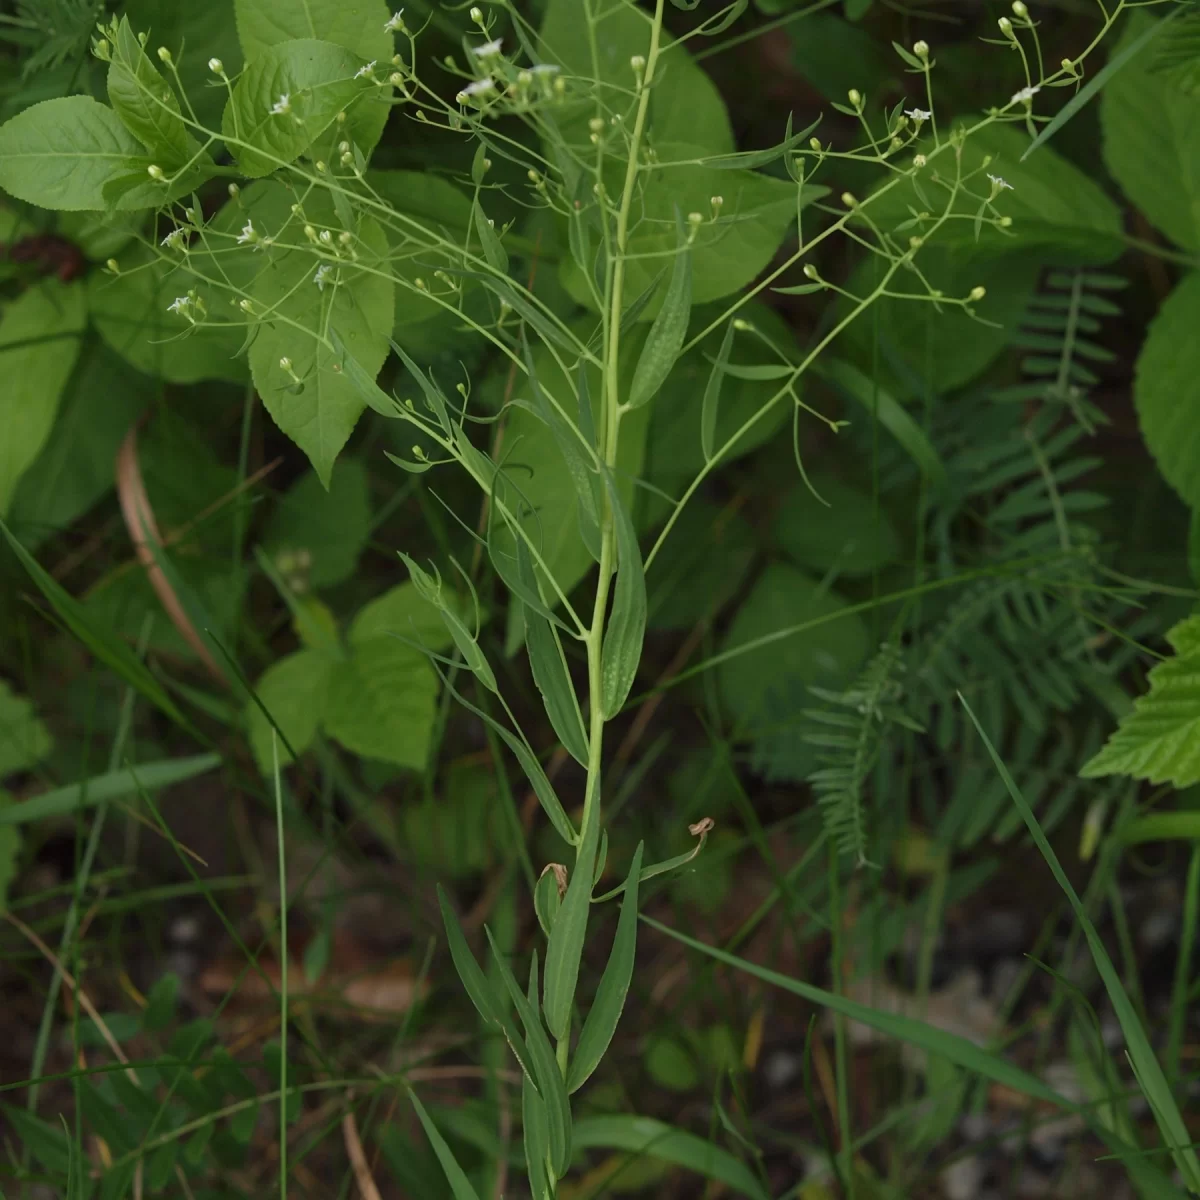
<point x="1160" y="739"/>
<point x="61" y="153"/>
<point x="609" y="1003"/>
<point x="145" y="103"/>
<point x="40" y="336"/>
<point x="286" y="98"/>
<point x="570" y="930"/>
<point x="298" y="306"/>
<point x="626" y="627"/>
<point x="661" y="348"/>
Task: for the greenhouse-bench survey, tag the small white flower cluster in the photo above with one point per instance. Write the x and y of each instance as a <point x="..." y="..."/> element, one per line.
<point x="917" y="114"/>
<point x="365" y="69"/>
<point x="395" y="23"/>
<point x="190" y="307"/>
<point x="323" y="275"/>
<point x="1025" y="95"/>
<point x="175" y="240"/>
<point x="283" y="105"/>
<point x="999" y="184"/>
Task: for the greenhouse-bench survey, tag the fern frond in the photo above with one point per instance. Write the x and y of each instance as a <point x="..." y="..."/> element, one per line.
<point x="848" y="735"/>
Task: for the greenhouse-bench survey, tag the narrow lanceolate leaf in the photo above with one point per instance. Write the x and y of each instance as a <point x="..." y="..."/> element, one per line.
<point x="493" y="248"/>
<point x="534" y="1119"/>
<point x="570" y="929"/>
<point x="554" y="682"/>
<point x="469" y="971"/>
<point x="1147" y="1069"/>
<point x="606" y="1009"/>
<point x="665" y="339"/>
<point x="489" y="1006"/>
<point x="546" y="1075"/>
<point x="627" y="624"/>
<point x="1160" y="739"/>
<point x="460" y="1185"/>
<point x="712" y="395"/>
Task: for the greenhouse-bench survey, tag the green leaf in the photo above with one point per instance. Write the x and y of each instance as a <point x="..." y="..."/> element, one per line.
<point x="61" y="154"/>
<point x="1152" y="137"/>
<point x="647" y="1136"/>
<point x="546" y="1074"/>
<point x="380" y="702"/>
<point x="665" y="339"/>
<point x="570" y="930"/>
<point x="24" y="740"/>
<point x="331" y="527"/>
<point x="536" y="1132"/>
<point x="460" y="1185"/>
<point x="47" y="1143"/>
<point x="130" y="314"/>
<point x="469" y="971"/>
<point x="320" y="417"/>
<point x="1160" y="739"/>
<point x="1164" y="389"/>
<point x="40" y="337"/>
<point x="493" y="249"/>
<point x="554" y="682"/>
<point x="295" y="691"/>
<point x="1146" y="1067"/>
<point x="754" y="684"/>
<point x="286" y="98"/>
<point x="160" y="1003"/>
<point x="845" y="533"/>
<point x="626" y="629"/>
<point x="146" y="105"/>
<point x="355" y="25"/>
<point x="106" y="646"/>
<point x="711" y="404"/>
<point x="75" y="468"/>
<point x="1056" y="209"/>
<point x="605" y="1013"/>
<point x="114" y="785"/>
<point x="546" y="898"/>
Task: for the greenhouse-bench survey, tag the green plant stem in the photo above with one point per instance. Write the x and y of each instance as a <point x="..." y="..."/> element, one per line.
<point x="1183" y="965"/>
<point x="283" y="971"/>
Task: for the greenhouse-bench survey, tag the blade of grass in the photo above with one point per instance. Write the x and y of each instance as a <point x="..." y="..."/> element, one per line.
<point x="283" y="970"/>
<point x="1145" y="1065"/>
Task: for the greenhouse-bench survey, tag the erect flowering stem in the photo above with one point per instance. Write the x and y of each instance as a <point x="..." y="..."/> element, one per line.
<point x="609" y="433"/>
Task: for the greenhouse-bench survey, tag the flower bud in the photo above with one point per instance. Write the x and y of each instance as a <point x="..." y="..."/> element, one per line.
<point x="1019" y="9"/>
<point x="1005" y="27"/>
<point x="476" y="15"/>
<point x="113" y="266"/>
<point x="811" y="271"/>
<point x="216" y="66"/>
<point x="977" y="293"/>
<point x="742" y="325"/>
<point x="848" y="200"/>
<point x="234" y="191"/>
<point x="638" y="63"/>
<point x="102" y="50"/>
<point x="596" y="124"/>
<point x="921" y="50"/>
<point x="815" y="143"/>
<point x="285" y="363"/>
<point x="1068" y="65"/>
<point x="919" y="160"/>
<point x="855" y="98"/>
<point x="164" y="55"/>
<point x="156" y="173"/>
<point x="694" y="219"/>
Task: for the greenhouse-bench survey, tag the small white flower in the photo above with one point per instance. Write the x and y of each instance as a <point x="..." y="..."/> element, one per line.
<point x="367" y="69"/>
<point x="917" y="114"/>
<point x="481" y="87"/>
<point x="999" y="183"/>
<point x="179" y="305"/>
<point x="282" y="105"/>
<point x="173" y="240"/>
<point x="216" y="66"/>
<point x="248" y="234"/>
<point x="395" y="23"/>
<point x="321" y="278"/>
<point x="488" y="49"/>
<point x="1025" y="94"/>
<point x="545" y="68"/>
